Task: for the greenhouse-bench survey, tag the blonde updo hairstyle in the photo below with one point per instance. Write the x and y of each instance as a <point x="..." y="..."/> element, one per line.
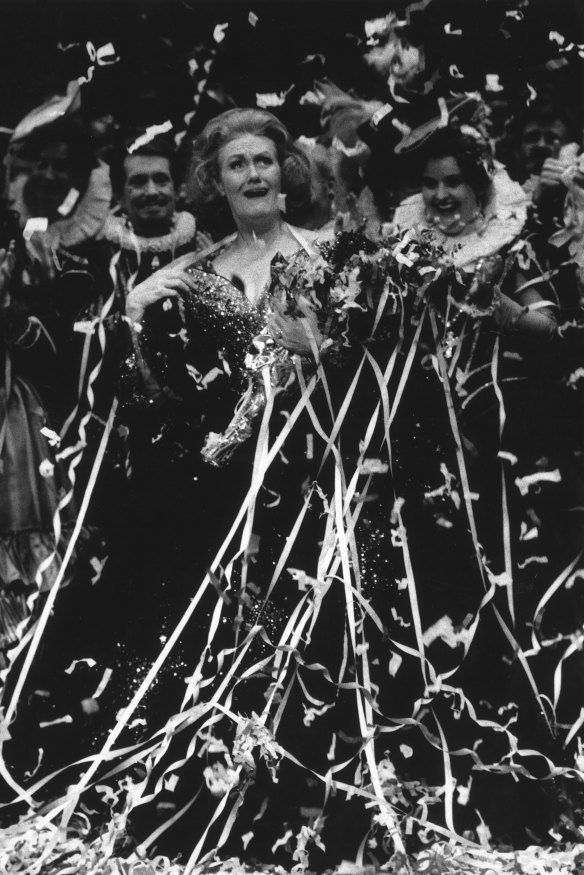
<point x="203" y="175"/>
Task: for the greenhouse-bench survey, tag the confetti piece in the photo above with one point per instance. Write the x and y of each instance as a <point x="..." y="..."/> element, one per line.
<point x="444" y="629"/>
<point x="310" y="98"/>
<point x="37" y="223"/>
<point x="69" y="202"/>
<point x="87" y="661"/>
<point x="557" y="63"/>
<point x="380" y="114"/>
<point x="316" y="57"/>
<point x="252" y="19"/>
<point x="279" y="843"/>
<point x="150" y="134"/>
<point x="402" y="127"/>
<point x="106" y="55"/>
<point x="52" y="437"/>
<point x="538" y="560"/>
<point x="373" y="466"/>
<point x="220" y="31"/>
<point x="65" y="719"/>
<point x="463" y="793"/>
<point x="253" y="545"/>
<point x="350" y="151"/>
<point x="105" y="679"/>
<point x="528" y="534"/>
<point x="377" y="27"/>
<point x="46" y="468"/>
<point x="524" y="484"/>
<point x="492" y="83"/>
<point x="265" y="101"/>
<point x="89" y="706"/>
<point x="455" y="72"/>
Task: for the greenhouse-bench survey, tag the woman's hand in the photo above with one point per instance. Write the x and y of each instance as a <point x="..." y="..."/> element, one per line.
<point x="165" y="283"/>
<point x="42" y="249"/>
<point x="487" y="273"/>
<point x="298" y="334"/>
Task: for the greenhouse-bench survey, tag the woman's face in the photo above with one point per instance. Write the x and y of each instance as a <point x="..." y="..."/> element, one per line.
<point x="250" y="177"/>
<point x="451" y="202"/>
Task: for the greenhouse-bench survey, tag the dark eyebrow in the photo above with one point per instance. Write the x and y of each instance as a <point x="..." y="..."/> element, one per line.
<point x="263" y="154"/>
<point x="136" y="177"/>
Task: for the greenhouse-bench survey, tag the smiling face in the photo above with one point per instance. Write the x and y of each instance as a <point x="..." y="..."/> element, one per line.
<point x="451" y="202"/>
<point x="250" y="178"/>
<point x="149" y="196"/>
<point x="541" y="141"/>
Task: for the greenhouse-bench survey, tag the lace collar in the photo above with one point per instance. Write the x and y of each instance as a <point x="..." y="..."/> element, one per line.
<point x="505" y="216"/>
<point x="118" y="230"/>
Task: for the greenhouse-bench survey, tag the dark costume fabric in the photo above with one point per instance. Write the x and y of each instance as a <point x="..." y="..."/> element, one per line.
<point x="334" y="694"/>
<point x="35" y="504"/>
<point x="150" y="506"/>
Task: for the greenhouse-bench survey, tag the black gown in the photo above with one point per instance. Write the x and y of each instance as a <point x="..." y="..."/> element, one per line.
<point x="334" y="694"/>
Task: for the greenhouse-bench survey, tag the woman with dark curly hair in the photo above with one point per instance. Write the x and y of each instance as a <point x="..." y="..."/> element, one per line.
<point x="498" y="341"/>
<point x="477" y="214"/>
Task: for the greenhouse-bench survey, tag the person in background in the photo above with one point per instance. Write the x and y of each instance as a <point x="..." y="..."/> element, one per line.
<point x="61" y="192"/>
<point x="37" y="511"/>
<point x="146" y="225"/>
<point x="540" y="146"/>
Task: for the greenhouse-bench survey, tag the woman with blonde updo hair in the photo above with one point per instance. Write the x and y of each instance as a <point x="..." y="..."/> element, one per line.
<point x="203" y="175"/>
<point x="245" y="171"/>
<point x="245" y="164"/>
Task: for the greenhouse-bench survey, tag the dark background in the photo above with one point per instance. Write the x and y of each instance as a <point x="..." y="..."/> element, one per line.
<point x="155" y="38"/>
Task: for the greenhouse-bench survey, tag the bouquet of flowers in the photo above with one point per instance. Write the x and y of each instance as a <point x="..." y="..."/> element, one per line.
<point x="359" y="292"/>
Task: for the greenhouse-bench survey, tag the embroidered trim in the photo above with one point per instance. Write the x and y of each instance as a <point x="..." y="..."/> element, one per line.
<point x="505" y="216"/>
<point x="118" y="230"/>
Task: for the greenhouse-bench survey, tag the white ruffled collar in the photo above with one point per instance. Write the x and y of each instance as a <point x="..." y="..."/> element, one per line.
<point x="86" y="219"/>
<point x="505" y="216"/>
<point x="118" y="230"/>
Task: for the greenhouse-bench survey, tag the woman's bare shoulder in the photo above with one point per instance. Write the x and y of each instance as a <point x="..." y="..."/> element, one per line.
<point x="320" y="235"/>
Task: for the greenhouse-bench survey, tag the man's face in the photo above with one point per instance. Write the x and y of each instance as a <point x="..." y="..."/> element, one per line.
<point x="53" y="176"/>
<point x="149" y="196"/>
<point x="541" y="141"/>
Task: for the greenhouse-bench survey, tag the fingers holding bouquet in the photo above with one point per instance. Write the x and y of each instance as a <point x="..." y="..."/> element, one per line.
<point x="299" y="333"/>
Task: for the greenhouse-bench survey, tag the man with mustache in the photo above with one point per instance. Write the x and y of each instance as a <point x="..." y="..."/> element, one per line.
<point x="146" y="226"/>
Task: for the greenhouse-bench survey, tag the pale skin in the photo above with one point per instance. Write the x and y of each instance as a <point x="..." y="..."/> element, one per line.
<point x="447" y="195"/>
<point x="249" y="177"/>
